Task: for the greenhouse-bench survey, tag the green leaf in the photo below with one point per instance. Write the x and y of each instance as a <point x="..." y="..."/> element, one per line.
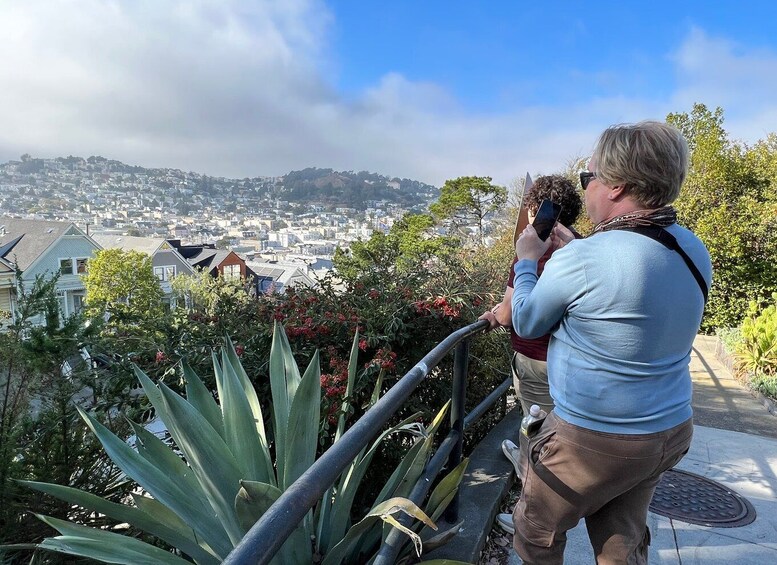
<point x="401" y="471"/>
<point x="104" y="546"/>
<point x="383" y="511"/>
<point x="161" y="455"/>
<point x="201" y="398"/>
<point x="418" y="463"/>
<point x="340" y="514"/>
<point x="163" y="487"/>
<point x="252" y="502"/>
<point x="440" y="539"/>
<point x="284" y="376"/>
<point x="376" y="390"/>
<point x="185" y="540"/>
<point x="171" y="520"/>
<point x="304" y="416"/>
<point x="253" y="401"/>
<point x="240" y="429"/>
<point x="208" y="456"/>
<point x="445" y="490"/>
<point x="352" y="365"/>
<point x="152" y="392"/>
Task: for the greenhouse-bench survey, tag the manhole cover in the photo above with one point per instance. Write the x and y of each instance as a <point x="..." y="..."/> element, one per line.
<point x="697" y="500"/>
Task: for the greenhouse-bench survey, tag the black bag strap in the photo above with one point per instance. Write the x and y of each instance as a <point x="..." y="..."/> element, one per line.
<point x="668" y="240"/>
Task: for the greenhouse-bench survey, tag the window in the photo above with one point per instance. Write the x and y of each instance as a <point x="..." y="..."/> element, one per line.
<point x="165" y="273"/>
<point x="78" y="302"/>
<point x="81" y="265"/>
<point x="231" y="271"/>
<point x="66" y="266"/>
<point x="62" y="299"/>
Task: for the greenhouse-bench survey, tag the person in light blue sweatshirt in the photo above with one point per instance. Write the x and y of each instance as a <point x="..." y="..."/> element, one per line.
<point x="623" y="307"/>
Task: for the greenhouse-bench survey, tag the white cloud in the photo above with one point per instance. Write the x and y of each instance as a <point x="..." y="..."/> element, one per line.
<point x="241" y="88"/>
<point x="740" y="79"/>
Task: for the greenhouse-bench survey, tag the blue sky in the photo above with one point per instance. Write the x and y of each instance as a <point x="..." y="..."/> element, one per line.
<point x="424" y="89"/>
<point x="497" y="55"/>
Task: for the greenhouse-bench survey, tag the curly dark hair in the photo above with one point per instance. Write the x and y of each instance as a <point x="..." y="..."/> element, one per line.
<point x="559" y="190"/>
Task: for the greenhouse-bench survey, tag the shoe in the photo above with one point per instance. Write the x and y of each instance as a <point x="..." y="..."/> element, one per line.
<point x="505" y="522"/>
<point x="513" y="453"/>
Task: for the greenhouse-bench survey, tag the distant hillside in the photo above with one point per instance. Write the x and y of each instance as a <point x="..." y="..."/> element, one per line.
<point x="44" y="185"/>
<point x="354" y="190"/>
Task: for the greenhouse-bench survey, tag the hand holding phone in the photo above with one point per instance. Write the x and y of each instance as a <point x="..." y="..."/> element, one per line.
<point x="547" y="216"/>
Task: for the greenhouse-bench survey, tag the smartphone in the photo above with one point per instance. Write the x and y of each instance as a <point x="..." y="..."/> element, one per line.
<point x="546" y="218"/>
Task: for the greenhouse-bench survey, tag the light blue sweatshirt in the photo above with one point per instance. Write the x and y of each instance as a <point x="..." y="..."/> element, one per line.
<point x="623" y="311"/>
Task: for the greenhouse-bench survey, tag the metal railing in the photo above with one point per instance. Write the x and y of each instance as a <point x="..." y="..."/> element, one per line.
<point x="269" y="533"/>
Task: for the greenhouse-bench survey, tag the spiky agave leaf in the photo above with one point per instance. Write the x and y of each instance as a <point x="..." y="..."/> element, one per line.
<point x="175" y="532"/>
<point x="284" y="380"/>
<point x="240" y="432"/>
<point x="340" y="514"/>
<point x="104" y="546"/>
<point x="252" y="502"/>
<point x="253" y="401"/>
<point x="302" y="431"/>
<point x="383" y="511"/>
<point x="163" y="486"/>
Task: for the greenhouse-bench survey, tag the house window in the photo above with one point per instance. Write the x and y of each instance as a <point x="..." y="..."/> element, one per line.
<point x="78" y="302"/>
<point x="165" y="273"/>
<point x="81" y="265"/>
<point x="66" y="266"/>
<point x="62" y="299"/>
<point x="231" y="271"/>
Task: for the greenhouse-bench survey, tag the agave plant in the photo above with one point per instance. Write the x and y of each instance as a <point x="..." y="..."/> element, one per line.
<point x="203" y="493"/>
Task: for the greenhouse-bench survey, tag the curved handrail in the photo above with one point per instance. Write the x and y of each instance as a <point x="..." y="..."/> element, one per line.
<point x="268" y="534"/>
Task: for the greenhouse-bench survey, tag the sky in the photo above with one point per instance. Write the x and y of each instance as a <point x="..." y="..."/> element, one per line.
<point x="422" y="89"/>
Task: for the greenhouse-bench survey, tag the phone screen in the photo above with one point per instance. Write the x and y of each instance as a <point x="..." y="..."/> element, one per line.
<point x="546" y="218"/>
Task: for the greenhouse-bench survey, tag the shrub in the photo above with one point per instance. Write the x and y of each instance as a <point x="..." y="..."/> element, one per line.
<point x="204" y="492"/>
<point x="758" y="350"/>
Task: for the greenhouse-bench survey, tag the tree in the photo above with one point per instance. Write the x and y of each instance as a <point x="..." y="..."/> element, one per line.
<point x="409" y="243"/>
<point x="467" y="200"/>
<point x="122" y="285"/>
<point x="41" y="435"/>
<point x="731" y="186"/>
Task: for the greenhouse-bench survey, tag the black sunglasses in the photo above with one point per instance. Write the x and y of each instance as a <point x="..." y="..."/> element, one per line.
<point x="585" y="178"/>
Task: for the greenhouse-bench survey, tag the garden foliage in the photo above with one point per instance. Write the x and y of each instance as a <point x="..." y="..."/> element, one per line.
<point x="729" y="200"/>
<point x="223" y="468"/>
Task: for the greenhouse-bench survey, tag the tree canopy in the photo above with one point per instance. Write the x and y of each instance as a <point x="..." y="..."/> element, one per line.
<point x="468" y="200"/>
<point x="729" y="199"/>
<point x="123" y="285"/>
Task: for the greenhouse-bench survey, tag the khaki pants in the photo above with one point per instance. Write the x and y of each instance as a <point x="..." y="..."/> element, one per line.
<point x="608" y="479"/>
<point x="530" y="379"/>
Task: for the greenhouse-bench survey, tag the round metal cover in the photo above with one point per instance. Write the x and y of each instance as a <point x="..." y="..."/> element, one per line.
<point x="697" y="500"/>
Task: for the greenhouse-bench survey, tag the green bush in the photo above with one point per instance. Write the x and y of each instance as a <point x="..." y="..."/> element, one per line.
<point x="223" y="470"/>
<point x="758" y="349"/>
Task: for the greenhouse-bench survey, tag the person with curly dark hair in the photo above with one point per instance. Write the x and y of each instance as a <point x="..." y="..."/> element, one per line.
<point x="557" y="189"/>
<point x="529" y="362"/>
<point x="528" y="366"/>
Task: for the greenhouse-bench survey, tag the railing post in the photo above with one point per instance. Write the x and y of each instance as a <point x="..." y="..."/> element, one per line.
<point x="458" y="396"/>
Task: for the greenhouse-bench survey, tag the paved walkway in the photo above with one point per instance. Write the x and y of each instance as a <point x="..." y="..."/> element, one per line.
<point x="734" y="444"/>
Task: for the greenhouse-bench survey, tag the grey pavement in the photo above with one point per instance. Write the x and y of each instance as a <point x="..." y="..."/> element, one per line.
<point x="734" y="444"/>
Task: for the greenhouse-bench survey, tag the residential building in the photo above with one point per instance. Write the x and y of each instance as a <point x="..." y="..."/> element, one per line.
<point x="42" y="247"/>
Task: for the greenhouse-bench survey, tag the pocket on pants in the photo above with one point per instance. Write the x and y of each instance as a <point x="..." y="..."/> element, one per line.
<point x="533" y="533"/>
<point x="540" y="444"/>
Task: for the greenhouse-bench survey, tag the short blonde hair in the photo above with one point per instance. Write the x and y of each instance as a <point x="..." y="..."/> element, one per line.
<point x="650" y="158"/>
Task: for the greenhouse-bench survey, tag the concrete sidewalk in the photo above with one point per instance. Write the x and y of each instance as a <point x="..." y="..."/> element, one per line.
<point x="734" y="444"/>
